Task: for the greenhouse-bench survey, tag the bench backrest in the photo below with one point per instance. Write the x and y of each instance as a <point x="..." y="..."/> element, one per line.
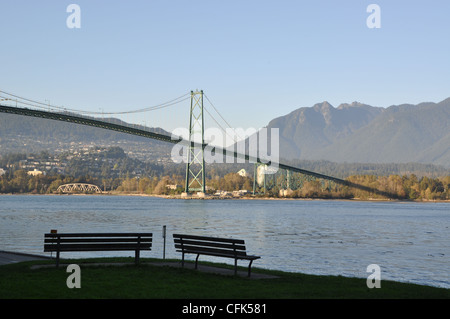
<point x="210" y="245"/>
<point x="97" y="241"/>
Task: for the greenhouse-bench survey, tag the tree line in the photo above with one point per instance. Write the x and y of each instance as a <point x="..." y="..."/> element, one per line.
<point x="406" y="187"/>
<point x="401" y="187"/>
<point x="113" y="170"/>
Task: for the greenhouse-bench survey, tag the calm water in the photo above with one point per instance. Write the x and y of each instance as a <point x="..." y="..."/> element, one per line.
<point x="409" y="241"/>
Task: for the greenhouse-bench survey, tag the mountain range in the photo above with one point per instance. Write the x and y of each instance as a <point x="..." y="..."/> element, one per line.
<point x="349" y="133"/>
<point x="23" y="134"/>
<point x="362" y="133"/>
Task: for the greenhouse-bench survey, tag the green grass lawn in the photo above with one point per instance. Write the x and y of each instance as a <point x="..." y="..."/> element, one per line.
<point x="19" y="281"/>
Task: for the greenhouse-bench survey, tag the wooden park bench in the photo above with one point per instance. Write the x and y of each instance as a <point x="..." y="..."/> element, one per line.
<point x="73" y="242"/>
<point x="213" y="246"/>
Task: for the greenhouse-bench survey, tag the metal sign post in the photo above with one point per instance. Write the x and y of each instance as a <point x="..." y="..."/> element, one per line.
<point x="164" y="236"/>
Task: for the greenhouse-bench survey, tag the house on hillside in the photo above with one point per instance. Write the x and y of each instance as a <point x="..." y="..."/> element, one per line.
<point x="243" y="173"/>
<point x="35" y="172"/>
<point x="173" y="186"/>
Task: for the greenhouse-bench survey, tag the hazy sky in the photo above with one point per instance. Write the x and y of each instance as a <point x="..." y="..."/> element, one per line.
<point x="255" y="60"/>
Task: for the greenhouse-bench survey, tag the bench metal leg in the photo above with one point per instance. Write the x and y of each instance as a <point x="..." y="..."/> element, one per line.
<point x="57" y="258"/>
<point x="235" y="266"/>
<point x="250" y="267"/>
<point x="137" y="257"/>
<point x="196" y="261"/>
<point x="182" y="260"/>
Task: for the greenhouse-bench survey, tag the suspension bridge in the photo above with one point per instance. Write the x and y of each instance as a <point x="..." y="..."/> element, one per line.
<point x="195" y="162"/>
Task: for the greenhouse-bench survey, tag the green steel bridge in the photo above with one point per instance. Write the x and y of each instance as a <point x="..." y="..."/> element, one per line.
<point x="41" y="110"/>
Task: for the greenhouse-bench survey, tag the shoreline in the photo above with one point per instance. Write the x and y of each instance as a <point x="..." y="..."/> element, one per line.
<point x="212" y="197"/>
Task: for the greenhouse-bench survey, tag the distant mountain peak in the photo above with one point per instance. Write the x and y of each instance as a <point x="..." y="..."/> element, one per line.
<point x="352" y="105"/>
<point x="325" y="105"/>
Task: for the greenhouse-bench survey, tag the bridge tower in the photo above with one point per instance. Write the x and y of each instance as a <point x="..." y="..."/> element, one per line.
<point x="195" y="163"/>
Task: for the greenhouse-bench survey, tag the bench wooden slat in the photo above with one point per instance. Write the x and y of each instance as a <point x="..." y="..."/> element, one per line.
<point x="98" y="235"/>
<point x="214" y="239"/>
<point x="98" y="245"/>
<point x="95" y="247"/>
<point x="219" y="254"/>
<point x="211" y="251"/>
<point x="97" y="240"/>
<point x="231" y="246"/>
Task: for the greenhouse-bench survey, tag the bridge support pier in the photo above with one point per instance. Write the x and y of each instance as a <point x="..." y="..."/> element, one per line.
<point x="195" y="162"/>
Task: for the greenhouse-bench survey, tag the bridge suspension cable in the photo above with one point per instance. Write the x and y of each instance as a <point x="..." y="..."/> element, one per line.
<point x="217" y="111"/>
<point x="226" y="122"/>
<point x="47" y="106"/>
